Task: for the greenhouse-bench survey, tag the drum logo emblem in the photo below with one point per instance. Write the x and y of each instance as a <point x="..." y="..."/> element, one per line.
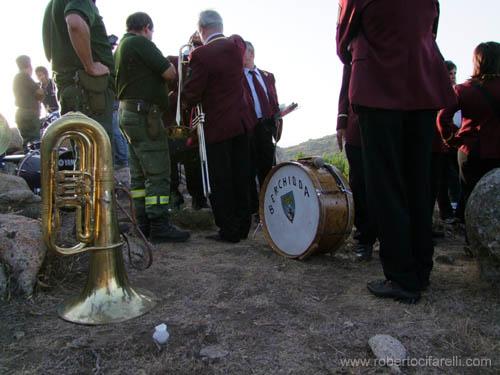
<point x="288" y="204"/>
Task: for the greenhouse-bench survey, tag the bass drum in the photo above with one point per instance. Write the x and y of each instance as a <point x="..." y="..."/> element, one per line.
<point x="29" y="167"/>
<point x="306" y="207"/>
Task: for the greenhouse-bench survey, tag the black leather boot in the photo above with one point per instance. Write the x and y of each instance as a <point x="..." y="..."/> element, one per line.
<point x="163" y="231"/>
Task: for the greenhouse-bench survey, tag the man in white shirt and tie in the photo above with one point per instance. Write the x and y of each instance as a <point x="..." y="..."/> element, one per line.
<point x="264" y="99"/>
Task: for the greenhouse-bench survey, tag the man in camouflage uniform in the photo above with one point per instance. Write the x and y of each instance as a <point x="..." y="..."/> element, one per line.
<point x="141" y="74"/>
<point x="75" y="41"/>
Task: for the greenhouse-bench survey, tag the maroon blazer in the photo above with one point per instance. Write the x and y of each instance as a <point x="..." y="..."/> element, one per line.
<point x="216" y="81"/>
<point x="396" y="63"/>
<point x="347" y="119"/>
<point x="480" y="130"/>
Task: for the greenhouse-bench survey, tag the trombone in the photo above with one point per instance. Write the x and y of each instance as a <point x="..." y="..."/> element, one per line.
<point x="197" y="121"/>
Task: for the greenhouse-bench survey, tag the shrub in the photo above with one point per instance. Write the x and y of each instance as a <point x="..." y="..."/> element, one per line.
<point x="339" y="160"/>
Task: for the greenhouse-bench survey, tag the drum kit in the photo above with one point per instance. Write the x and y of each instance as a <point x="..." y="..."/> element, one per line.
<point x="28" y="163"/>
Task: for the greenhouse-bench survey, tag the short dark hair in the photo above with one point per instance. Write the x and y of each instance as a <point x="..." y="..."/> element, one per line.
<point x="23" y="62"/>
<point x="486" y="61"/>
<point x="138" y="21"/>
<point x="42" y="69"/>
<point x="450" y="65"/>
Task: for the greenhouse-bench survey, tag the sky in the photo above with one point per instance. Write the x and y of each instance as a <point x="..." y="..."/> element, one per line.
<point x="294" y="39"/>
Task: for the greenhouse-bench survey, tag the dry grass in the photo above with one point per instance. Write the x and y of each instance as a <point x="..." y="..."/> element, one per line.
<point x="273" y="316"/>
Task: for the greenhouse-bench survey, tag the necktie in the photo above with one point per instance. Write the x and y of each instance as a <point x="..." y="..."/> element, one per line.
<point x="261" y="94"/>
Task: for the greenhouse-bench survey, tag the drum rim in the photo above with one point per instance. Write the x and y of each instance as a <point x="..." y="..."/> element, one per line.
<point x="314" y="243"/>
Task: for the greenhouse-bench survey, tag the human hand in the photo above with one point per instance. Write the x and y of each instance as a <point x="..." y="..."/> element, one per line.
<point x="279" y="128"/>
<point x="340" y="139"/>
<point x="97" y="69"/>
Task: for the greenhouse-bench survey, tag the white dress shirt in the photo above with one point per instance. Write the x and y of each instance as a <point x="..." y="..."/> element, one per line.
<point x="248" y="75"/>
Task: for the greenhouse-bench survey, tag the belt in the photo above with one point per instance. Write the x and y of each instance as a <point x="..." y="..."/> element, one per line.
<point x="138" y="106"/>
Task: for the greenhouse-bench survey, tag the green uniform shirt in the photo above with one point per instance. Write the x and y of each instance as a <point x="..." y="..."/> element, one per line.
<point x="139" y="68"/>
<point x="25" y="92"/>
<point x="57" y="44"/>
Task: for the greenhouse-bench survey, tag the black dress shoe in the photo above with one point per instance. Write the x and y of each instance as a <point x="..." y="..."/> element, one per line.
<point x="218" y="237"/>
<point x="391" y="289"/>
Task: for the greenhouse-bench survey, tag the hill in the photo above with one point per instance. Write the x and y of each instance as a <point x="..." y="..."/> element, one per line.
<point x="312" y="147"/>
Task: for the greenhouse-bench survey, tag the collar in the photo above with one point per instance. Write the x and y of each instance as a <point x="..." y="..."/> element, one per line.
<point x="255" y="69"/>
<point x="213" y="37"/>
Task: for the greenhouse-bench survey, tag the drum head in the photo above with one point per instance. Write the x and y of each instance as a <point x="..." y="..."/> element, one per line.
<point x="66" y="161"/>
<point x="290" y="209"/>
<point x="29" y="169"/>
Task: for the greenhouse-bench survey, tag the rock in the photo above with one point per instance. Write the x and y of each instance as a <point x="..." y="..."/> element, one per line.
<point x="5" y="134"/>
<point x="445" y="259"/>
<point x="194" y="220"/>
<point x="22" y="248"/>
<point x="19" y="335"/>
<point x="213" y="352"/>
<point x="16" y="141"/>
<point x="388" y="350"/>
<point x="482" y="222"/>
<point x="16" y="197"/>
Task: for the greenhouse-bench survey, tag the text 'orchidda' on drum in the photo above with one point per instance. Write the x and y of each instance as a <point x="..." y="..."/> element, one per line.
<point x="284" y="183"/>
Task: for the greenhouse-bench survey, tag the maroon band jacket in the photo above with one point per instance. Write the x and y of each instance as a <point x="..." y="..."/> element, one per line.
<point x="216" y="81"/>
<point x="393" y="68"/>
<point x="480" y="130"/>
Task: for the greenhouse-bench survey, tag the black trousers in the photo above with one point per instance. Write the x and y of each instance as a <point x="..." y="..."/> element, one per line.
<point x="397" y="156"/>
<point x="450" y="187"/>
<point x="263" y="151"/>
<point x="229" y="168"/>
<point x="438" y="177"/>
<point x="364" y="223"/>
<point x="191" y="161"/>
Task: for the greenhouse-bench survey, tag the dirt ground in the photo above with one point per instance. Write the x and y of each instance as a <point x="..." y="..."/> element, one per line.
<point x="263" y="313"/>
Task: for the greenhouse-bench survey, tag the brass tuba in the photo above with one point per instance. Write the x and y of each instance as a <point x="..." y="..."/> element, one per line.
<point x="88" y="191"/>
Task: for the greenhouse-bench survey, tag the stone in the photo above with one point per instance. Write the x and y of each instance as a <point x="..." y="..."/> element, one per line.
<point x="194" y="220"/>
<point x="388" y="350"/>
<point x="5" y="134"/>
<point x="213" y="352"/>
<point x="482" y="223"/>
<point x="22" y="248"/>
<point x="16" y="197"/>
<point x="19" y="335"/>
<point x="16" y="141"/>
<point x="445" y="259"/>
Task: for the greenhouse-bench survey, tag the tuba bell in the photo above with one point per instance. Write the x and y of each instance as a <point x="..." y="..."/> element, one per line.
<point x="88" y="191"/>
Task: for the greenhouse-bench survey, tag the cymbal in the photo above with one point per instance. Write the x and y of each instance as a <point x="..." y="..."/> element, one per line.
<point x="5" y="134"/>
